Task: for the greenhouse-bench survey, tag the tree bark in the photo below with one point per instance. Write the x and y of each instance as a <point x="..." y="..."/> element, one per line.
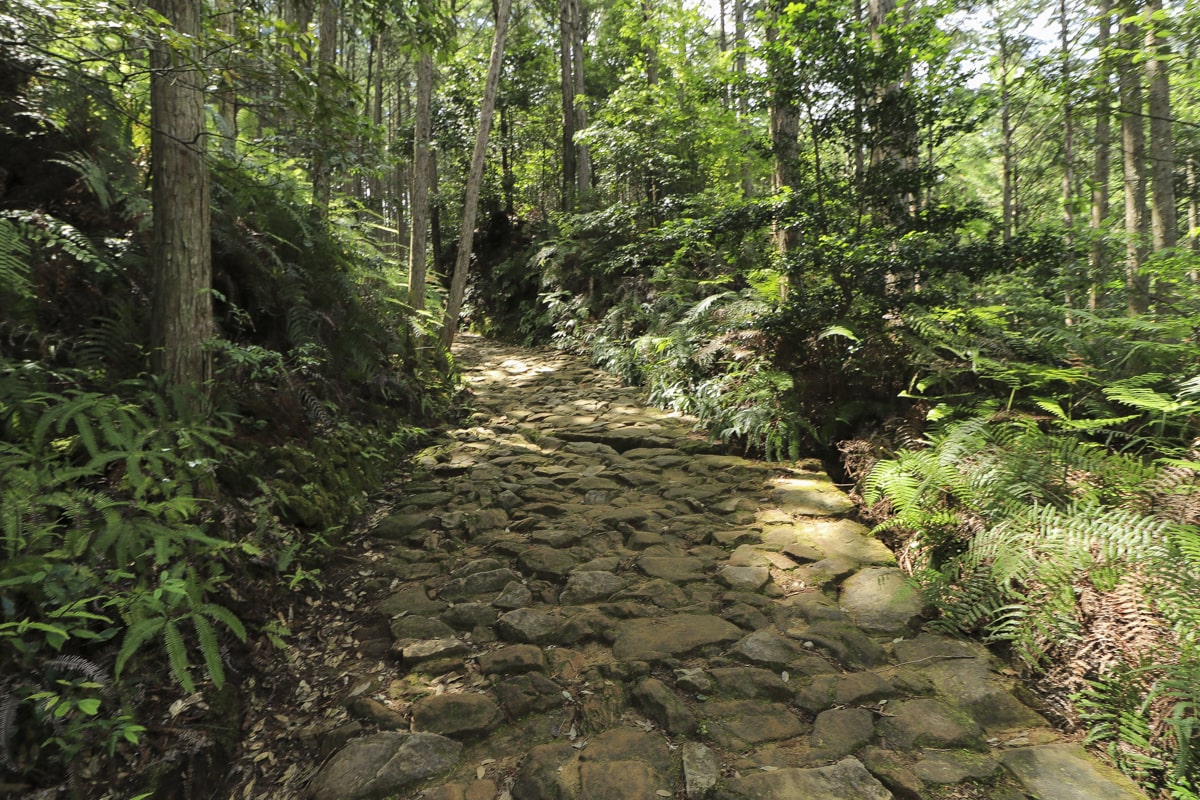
<point x="1101" y="166"/>
<point x="458" y="284"/>
<point x="326" y="63"/>
<point x="1068" y="111"/>
<point x="1008" y="150"/>
<point x="1164" y="224"/>
<point x="421" y="180"/>
<point x="743" y="100"/>
<point x="181" y="252"/>
<point x="784" y="125"/>
<point x="566" y="41"/>
<point x="583" y="154"/>
<point x="1133" y="149"/>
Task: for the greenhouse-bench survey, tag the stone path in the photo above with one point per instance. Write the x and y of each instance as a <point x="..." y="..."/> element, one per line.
<point x="579" y="599"/>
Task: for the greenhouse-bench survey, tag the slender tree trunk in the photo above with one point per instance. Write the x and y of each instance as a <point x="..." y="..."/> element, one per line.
<point x="1193" y="184"/>
<point x="1068" y="111"/>
<point x="326" y="64"/>
<point x="743" y="99"/>
<point x="435" y="215"/>
<point x="583" y="153"/>
<point x="1164" y="224"/>
<point x="785" y="124"/>
<point x="1133" y="150"/>
<point x="1008" y="148"/>
<point x="421" y="175"/>
<point x="181" y="252"/>
<point x="1101" y="167"/>
<point x="227" y="98"/>
<point x="566" y="41"/>
<point x="458" y="284"/>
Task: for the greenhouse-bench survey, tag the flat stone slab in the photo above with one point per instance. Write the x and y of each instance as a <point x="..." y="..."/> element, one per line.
<point x="811" y="496"/>
<point x="928" y="723"/>
<point x="590" y="586"/>
<point x="374" y="767"/>
<point x="676" y="569"/>
<point x="461" y="715"/>
<point x="737" y="724"/>
<point x="1066" y="772"/>
<point x="669" y="637"/>
<point x="882" y="600"/>
<point x="846" y="780"/>
<point x="843" y="538"/>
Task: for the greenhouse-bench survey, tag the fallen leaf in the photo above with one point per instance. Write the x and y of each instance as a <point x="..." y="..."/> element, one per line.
<point x="664" y="793"/>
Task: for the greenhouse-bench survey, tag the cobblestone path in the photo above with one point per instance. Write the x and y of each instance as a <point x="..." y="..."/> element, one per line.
<point x="578" y="598"/>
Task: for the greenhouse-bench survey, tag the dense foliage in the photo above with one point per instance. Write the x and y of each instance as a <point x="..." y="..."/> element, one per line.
<point x="886" y="233"/>
<point x="147" y="529"/>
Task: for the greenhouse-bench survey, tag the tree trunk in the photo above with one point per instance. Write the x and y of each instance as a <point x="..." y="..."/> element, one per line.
<point x="1101" y="167"/>
<point x="785" y="125"/>
<point x="583" y="154"/>
<point x="458" y="284"/>
<point x="227" y="98"/>
<point x="1068" y="111"/>
<point x="1133" y="150"/>
<point x="1008" y="149"/>
<point x="1193" y="204"/>
<point x="566" y="42"/>
<point x="326" y="63"/>
<point x="743" y="100"/>
<point x="181" y="252"/>
<point x="421" y="175"/>
<point x="1164" y="224"/>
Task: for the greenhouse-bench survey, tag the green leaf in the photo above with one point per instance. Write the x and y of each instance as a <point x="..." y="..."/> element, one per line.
<point x="135" y="637"/>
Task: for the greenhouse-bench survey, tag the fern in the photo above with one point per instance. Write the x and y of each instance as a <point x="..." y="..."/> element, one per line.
<point x="14" y="268"/>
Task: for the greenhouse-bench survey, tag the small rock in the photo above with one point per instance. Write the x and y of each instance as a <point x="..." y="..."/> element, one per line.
<point x="1066" y="772"/>
<point x="413" y="627"/>
<point x="514" y="595"/>
<point x="842" y="781"/>
<point x="693" y="680"/>
<point x="668" y="637"/>
<point x="737" y="724"/>
<point x="892" y="772"/>
<point x="590" y="587"/>
<point x="701" y="770"/>
<point x="529" y="626"/>
<point x="767" y="649"/>
<point x="749" y="683"/>
<point x="955" y="767"/>
<point x="478" y="583"/>
<point x="744" y="579"/>
<point x="514" y="660"/>
<point x="371" y="710"/>
<point x="840" y="731"/>
<point x="462" y="715"/>
<point x="526" y="694"/>
<point x="430" y="649"/>
<point x="675" y="569"/>
<point x="549" y="563"/>
<point x="925" y="723"/>
<point x="385" y="764"/>
<point x="467" y="616"/>
<point x="412" y="600"/>
<point x="882" y="600"/>
<point x="664" y="707"/>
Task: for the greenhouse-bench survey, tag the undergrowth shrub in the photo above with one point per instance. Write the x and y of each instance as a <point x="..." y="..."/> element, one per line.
<point x="1060" y="519"/>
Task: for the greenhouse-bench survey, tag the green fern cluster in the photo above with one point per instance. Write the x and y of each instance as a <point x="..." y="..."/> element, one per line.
<point x="1020" y="527"/>
<point x="102" y="518"/>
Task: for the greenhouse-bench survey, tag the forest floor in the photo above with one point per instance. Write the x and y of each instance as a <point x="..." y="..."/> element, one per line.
<point x="575" y="597"/>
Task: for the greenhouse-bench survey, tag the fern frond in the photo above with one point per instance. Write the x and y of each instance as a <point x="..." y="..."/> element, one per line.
<point x="177" y="655"/>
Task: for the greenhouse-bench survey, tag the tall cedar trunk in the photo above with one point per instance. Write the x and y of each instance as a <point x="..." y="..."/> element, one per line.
<point x="894" y="133"/>
<point x="1133" y="156"/>
<point x="566" y="39"/>
<point x="227" y="102"/>
<point x="1164" y="224"/>
<point x="1007" y="147"/>
<point x="1101" y="166"/>
<point x="583" y="154"/>
<point x="326" y="64"/>
<point x="435" y="216"/>
<point x="181" y="254"/>
<point x="785" y="125"/>
<point x="421" y="180"/>
<point x="458" y="284"/>
<point x="1068" y="111"/>
<point x="1193" y="185"/>
<point x="743" y="99"/>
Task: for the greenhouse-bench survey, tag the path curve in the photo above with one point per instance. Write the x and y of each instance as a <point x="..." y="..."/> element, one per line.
<point x="576" y="597"/>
